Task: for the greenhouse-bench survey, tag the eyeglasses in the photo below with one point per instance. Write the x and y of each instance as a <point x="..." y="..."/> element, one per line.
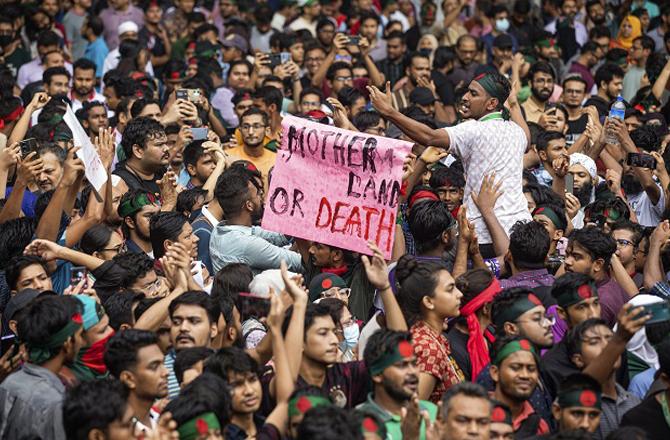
<point x="545" y="320"/>
<point x="573" y="92"/>
<point x="343" y="78"/>
<point x="623" y="242"/>
<point x="116" y="249"/>
<point x="331" y="293"/>
<point x="247" y="127"/>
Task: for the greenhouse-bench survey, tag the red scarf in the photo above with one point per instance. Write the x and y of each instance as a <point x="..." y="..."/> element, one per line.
<point x="479" y="353"/>
<point x="339" y="271"/>
<point x="93" y="356"/>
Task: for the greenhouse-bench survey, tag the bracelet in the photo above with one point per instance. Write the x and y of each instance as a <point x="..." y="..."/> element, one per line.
<point x="388" y="286"/>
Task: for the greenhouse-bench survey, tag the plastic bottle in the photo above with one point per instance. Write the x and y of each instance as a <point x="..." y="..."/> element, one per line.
<point x="617" y="111"/>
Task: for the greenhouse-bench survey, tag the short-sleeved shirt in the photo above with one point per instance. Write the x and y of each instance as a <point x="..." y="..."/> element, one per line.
<point x="612" y="298"/>
<point x="647" y="213"/>
<point x="433" y="356"/>
<point x="264" y="162"/>
<point x="393" y="422"/>
<point x="485" y="147"/>
<point x="614" y="410"/>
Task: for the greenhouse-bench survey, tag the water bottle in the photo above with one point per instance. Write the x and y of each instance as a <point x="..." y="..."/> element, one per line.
<point x="617" y="111"/>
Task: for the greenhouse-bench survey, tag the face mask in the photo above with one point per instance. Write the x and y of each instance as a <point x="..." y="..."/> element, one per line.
<point x="351" y="334"/>
<point x="90" y="362"/>
<point x="6" y="40"/>
<point x="502" y="25"/>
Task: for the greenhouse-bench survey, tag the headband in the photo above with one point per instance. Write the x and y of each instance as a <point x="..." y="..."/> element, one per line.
<point x="501" y="414"/>
<point x="551" y="215"/>
<point x="43" y="352"/>
<point x="546" y="42"/>
<point x="13" y="114"/>
<point x="302" y="404"/>
<point x="133" y="205"/>
<point x="93" y="311"/>
<point x="574" y="296"/>
<point x="479" y="354"/>
<point x="495" y="90"/>
<point x="370" y="425"/>
<point x="198" y="426"/>
<point x="521" y="306"/>
<point x="422" y="194"/>
<point x="583" y="398"/>
<point x="400" y="352"/>
<point x="511" y="348"/>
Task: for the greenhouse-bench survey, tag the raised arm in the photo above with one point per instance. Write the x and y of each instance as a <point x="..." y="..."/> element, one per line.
<point x="488" y="195"/>
<point x="418" y="132"/>
<point x="377" y="272"/>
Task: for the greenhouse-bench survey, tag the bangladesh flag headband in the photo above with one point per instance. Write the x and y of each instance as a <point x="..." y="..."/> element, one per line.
<point x="521" y="306"/>
<point x="131" y="206"/>
<point x="41" y="353"/>
<point x="302" y="404"/>
<point x="198" y="426"/>
<point x="501" y="414"/>
<point x="572" y="297"/>
<point x="582" y="398"/>
<point x="551" y="215"/>
<point x="402" y="351"/>
<point x="511" y="348"/>
<point x="370" y="425"/>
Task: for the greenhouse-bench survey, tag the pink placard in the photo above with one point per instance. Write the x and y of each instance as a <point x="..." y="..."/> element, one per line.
<point x="334" y="186"/>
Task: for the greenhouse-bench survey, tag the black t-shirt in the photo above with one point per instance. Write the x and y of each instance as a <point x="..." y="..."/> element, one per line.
<point x="600" y="104"/>
<point x="556" y="366"/>
<point x="458" y="341"/>
<point x="444" y="88"/>
<point x="135" y="182"/>
<point x="648" y="416"/>
<point x="576" y="128"/>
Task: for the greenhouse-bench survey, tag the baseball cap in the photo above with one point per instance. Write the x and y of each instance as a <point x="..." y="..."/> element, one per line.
<point x="503" y="41"/>
<point x="21" y="300"/>
<point x="421" y="96"/>
<point x="128" y="26"/>
<point x="236" y="41"/>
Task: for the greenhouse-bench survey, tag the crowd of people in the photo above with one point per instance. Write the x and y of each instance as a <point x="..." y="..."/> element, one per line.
<point x="527" y="292"/>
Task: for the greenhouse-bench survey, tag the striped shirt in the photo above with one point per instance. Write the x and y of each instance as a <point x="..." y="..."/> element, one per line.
<point x="173" y="384"/>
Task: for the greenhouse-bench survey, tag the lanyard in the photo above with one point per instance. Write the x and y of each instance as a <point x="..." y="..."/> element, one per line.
<point x="664" y="405"/>
<point x="492" y="116"/>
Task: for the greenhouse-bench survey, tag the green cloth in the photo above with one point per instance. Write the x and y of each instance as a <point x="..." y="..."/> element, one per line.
<point x="392" y="422"/>
<point x="635" y="365"/>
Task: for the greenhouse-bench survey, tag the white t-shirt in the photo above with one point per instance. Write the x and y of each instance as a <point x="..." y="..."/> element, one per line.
<point x="647" y="213"/>
<point x="485" y="147"/>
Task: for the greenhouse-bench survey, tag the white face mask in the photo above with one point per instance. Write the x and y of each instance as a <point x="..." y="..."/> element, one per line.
<point x="502" y="25"/>
<point x="351" y="334"/>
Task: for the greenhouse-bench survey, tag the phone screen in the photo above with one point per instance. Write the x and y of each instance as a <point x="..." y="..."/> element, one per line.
<point x="570" y="183"/>
<point x="641" y="160"/>
<point x="78" y="273"/>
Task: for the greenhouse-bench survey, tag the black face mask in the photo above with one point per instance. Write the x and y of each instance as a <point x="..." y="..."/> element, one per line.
<point x="6" y="40"/>
<point x="630" y="184"/>
<point x="599" y="20"/>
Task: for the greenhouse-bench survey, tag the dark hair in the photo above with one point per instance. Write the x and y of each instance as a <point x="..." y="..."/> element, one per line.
<point x="138" y="131"/>
<point x="230" y="359"/>
<point x="93" y="405"/>
<point x="569" y="282"/>
<point x="575" y="78"/>
<point x="232" y="190"/>
<point x="270" y="95"/>
<point x="165" y="226"/>
<point x="635" y="228"/>
<point x="311" y="91"/>
<point x="541" y="67"/>
<point x="529" y="245"/>
<point x="624" y="433"/>
<point x="595" y="242"/>
<point x="447" y="176"/>
<point x="599" y="32"/>
<point x="337" y="65"/>
<point x="349" y="95"/>
<point x="196" y="298"/>
<point x="607" y="72"/>
<point x="44" y="317"/>
<point x="329" y="422"/>
<point x="119" y="308"/>
<point x="545" y="137"/>
<point x="467" y="389"/>
<point x="229" y="281"/>
<point x="187" y="199"/>
<point x="646" y="41"/>
<point x="187" y="358"/>
<point x="53" y="71"/>
<point x="381" y="342"/>
<point x="95" y="24"/>
<point x="366" y="119"/>
<point x="442" y="56"/>
<point x="336" y="307"/>
<point x="139" y="105"/>
<point x="416" y="279"/>
<point x="121" y="350"/>
<point x="48" y="38"/>
<point x="427" y="222"/>
<point x="96" y="238"/>
<point x="17" y="264"/>
<point x="15" y="235"/>
<point x="313" y="311"/>
<point x="502" y="302"/>
<point x="256" y="111"/>
<point x="135" y="264"/>
<point x="83" y="64"/>
<point x="646" y="138"/>
<point x="85" y="111"/>
<point x="579" y="382"/>
<point x="575" y="336"/>
<point x="207" y="393"/>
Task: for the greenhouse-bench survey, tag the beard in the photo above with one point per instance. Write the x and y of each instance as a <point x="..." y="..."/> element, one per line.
<point x="512" y="393"/>
<point x="630" y="184"/>
<point x="394" y="391"/>
<point x="599" y="20"/>
<point x="257" y="215"/>
<point x="583" y="194"/>
<point x="541" y="95"/>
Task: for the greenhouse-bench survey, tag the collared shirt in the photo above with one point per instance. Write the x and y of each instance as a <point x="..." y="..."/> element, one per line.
<point x="264" y="162"/>
<point x="392" y="70"/>
<point x="393" y="421"/>
<point x="533" y="110"/>
<point x="255" y="246"/>
<point x="646" y="212"/>
<point x="32" y="72"/>
<point x="97" y="52"/>
<point x="43" y="391"/>
<point x="524" y="416"/>
<point x="613" y="410"/>
<point x="612" y="298"/>
<point x="529" y="279"/>
<point x="493" y="145"/>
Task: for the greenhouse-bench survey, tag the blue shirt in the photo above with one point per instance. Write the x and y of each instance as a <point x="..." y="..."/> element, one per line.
<point x="28" y="202"/>
<point x="641" y="382"/>
<point x="97" y="51"/>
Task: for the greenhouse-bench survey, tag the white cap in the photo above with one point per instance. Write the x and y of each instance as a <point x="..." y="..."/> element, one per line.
<point x="128" y="26"/>
<point x="586" y="162"/>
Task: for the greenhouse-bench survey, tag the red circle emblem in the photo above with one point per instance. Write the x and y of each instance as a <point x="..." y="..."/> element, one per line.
<point x="370" y="425"/>
<point x="327" y="283"/>
<point x="303" y="404"/>
<point x="534" y="299"/>
<point x="405" y="349"/>
<point x="498" y="415"/>
<point x="584" y="291"/>
<point x="588" y="398"/>
<point x="524" y="344"/>
<point x="201" y="426"/>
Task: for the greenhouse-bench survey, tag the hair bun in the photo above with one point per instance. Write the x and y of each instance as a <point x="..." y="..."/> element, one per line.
<point x="406" y="265"/>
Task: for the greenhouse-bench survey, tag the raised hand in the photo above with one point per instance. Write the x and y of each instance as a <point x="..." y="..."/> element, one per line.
<point x="488" y="195"/>
<point x="433" y="155"/>
<point x="45" y="249"/>
<point x="376" y="268"/>
<point x="72" y="168"/>
<point x="381" y="101"/>
<point x="29" y="168"/>
<point x="293" y="285"/>
<point x="10" y="156"/>
<point x="168" y="187"/>
<point x="104" y="144"/>
<point x="275" y="317"/>
<point x="572" y="205"/>
<point x="630" y="320"/>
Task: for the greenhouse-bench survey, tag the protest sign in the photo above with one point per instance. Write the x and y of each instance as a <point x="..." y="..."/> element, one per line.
<point x="95" y="170"/>
<point x="335" y="186"/>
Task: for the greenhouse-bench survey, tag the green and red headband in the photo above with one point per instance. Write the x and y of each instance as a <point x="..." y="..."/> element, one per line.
<point x="574" y="296"/>
<point x="513" y="347"/>
<point x="135" y="204"/>
<point x="370" y="425"/>
<point x="198" y="426"/>
<point x="580" y="398"/>
<point x="546" y="42"/>
<point x="521" y="306"/>
<point x="501" y="414"/>
<point x="400" y="352"/>
<point x="551" y="215"/>
<point x="302" y="404"/>
<point x="39" y="354"/>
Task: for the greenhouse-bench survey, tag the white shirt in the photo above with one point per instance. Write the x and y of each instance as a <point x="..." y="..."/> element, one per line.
<point x="485" y="147"/>
<point x="33" y="71"/>
<point x="300" y="23"/>
<point x="647" y="213"/>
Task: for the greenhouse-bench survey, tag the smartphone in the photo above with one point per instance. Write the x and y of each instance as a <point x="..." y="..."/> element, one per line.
<point x="570" y="183"/>
<point x="7" y="343"/>
<point x="641" y="160"/>
<point x="354" y="40"/>
<point x="199" y="133"/>
<point x="78" y="273"/>
<point x="252" y="305"/>
<point x="192" y="95"/>
<point x="28" y="146"/>
<point x="278" y="58"/>
<point x="658" y="311"/>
